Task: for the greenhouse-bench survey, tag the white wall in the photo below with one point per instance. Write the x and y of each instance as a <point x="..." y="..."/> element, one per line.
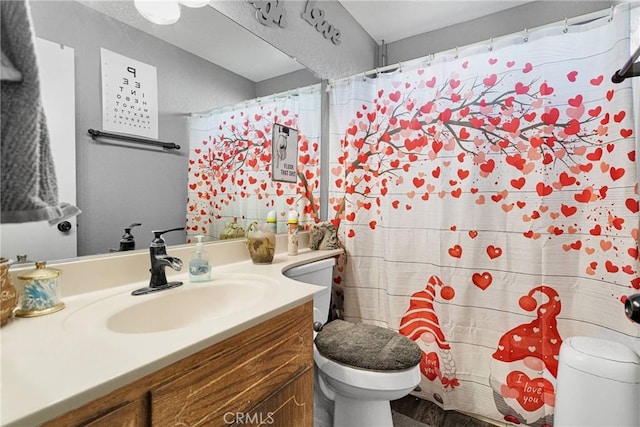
<point x="285" y="82"/>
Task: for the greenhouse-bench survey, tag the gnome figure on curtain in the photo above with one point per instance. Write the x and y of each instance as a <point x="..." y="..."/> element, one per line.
<point x="525" y="365"/>
<point x="420" y="323"/>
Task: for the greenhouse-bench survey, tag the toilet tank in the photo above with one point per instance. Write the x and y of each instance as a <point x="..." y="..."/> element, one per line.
<point x="318" y="273"/>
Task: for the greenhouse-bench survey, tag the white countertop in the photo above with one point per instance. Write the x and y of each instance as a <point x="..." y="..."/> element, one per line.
<point x="57" y="362"/>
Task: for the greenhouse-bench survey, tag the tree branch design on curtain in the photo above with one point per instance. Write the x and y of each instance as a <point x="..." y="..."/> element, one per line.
<point x="507" y="178"/>
<point x="230" y="165"/>
<point x="513" y="122"/>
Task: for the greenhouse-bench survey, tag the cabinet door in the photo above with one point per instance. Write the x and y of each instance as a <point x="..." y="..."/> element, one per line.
<point x="241" y="377"/>
<point x="292" y="406"/>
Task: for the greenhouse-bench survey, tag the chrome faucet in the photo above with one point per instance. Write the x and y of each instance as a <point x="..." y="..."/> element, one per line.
<point x="159" y="261"/>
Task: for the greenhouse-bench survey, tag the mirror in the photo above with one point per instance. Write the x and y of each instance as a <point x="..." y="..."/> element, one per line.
<point x="117" y="184"/>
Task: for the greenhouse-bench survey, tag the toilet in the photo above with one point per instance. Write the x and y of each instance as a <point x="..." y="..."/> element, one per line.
<point x="354" y="376"/>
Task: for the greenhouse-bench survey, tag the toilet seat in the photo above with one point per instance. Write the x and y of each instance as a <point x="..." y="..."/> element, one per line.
<point x="366" y="378"/>
<point x="368" y="347"/>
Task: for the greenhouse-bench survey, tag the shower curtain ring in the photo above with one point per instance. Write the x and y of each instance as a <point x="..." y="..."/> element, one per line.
<point x="490" y="44"/>
<point x="566" y="26"/>
<point x="456" y="57"/>
<point x="611" y="14"/>
<point x="526" y="35"/>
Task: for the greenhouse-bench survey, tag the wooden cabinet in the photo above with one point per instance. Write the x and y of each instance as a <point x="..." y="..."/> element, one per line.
<point x="131" y="414"/>
<point x="262" y="376"/>
<point x="285" y="408"/>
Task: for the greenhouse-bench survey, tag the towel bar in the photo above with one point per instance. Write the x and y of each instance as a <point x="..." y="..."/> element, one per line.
<point x="100" y="134"/>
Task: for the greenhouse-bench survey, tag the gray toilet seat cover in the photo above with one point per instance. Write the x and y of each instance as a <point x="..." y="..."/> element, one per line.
<point x="366" y="346"/>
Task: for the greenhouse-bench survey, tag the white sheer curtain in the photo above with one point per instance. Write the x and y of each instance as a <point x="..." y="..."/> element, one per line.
<point x="230" y="163"/>
<point x="488" y="204"/>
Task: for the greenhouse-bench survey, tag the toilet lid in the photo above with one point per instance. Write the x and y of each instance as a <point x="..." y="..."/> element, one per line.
<point x="367" y="346"/>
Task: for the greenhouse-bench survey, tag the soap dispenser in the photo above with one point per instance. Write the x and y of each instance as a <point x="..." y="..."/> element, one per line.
<point x="199" y="266"/>
<point x="127" y="241"/>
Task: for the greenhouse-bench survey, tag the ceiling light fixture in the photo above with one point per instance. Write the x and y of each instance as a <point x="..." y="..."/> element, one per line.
<point x="164" y="12"/>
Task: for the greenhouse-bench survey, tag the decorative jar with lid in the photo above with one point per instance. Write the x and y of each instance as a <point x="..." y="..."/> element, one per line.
<point x="40" y="294"/>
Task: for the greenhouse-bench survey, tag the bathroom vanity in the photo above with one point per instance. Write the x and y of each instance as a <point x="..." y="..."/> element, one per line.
<point x="265" y="372"/>
<point x="110" y="359"/>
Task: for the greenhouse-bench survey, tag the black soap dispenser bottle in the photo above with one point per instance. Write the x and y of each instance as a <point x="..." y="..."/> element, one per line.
<point x="127" y="242"/>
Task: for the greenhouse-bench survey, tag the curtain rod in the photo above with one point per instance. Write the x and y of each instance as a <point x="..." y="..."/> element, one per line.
<point x="284" y="94"/>
<point x="630" y="69"/>
<point x="567" y="21"/>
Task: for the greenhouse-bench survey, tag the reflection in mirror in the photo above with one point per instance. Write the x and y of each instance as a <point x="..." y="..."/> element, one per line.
<point x="117" y="184"/>
<point x="237" y="152"/>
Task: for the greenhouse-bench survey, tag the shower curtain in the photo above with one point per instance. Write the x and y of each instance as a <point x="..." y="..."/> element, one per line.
<point x="230" y="163"/>
<point x="487" y="200"/>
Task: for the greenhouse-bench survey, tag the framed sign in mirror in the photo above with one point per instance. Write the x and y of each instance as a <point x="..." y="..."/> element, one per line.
<point x="284" y="154"/>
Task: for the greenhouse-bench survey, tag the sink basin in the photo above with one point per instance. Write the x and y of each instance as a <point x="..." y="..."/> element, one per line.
<point x="178" y="310"/>
<point x="174" y="308"/>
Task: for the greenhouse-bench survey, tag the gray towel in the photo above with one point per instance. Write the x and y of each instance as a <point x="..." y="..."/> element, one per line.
<point x="8" y="71"/>
<point x="28" y="182"/>
<point x="68" y="211"/>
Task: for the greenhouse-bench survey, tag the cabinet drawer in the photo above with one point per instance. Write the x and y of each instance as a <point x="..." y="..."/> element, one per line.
<point x="239" y="377"/>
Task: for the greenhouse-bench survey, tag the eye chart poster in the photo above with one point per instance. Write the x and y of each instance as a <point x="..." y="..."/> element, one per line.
<point x="284" y="145"/>
<point x="129" y="95"/>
